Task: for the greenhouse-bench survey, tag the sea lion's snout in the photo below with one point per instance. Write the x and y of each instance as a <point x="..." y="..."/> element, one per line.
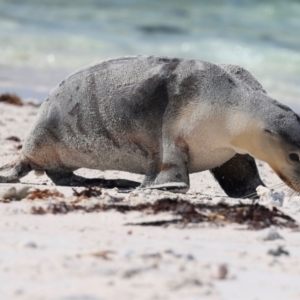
<point x="292" y="171"/>
<point x="275" y="146"/>
<point x="286" y="164"/>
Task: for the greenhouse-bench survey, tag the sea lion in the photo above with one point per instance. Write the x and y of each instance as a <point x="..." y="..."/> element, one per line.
<point x="164" y="118"/>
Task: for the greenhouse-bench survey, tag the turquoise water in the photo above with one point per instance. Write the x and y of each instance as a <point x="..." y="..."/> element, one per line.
<point x="43" y="41"/>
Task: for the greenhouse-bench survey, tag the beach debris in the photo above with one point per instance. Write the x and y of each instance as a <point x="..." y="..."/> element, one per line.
<point x="8" y="193"/>
<point x="13" y="138"/>
<point x="5" y="200"/>
<point x="105" y="254"/>
<point x="29" y="244"/>
<point x="60" y="207"/>
<point x="278" y="251"/>
<point x="88" y="192"/>
<point x="151" y="255"/>
<point x="44" y="194"/>
<point x="269" y="234"/>
<point x="219" y="271"/>
<point x="255" y="216"/>
<point x="115" y="199"/>
<point x="13" y="193"/>
<point x="269" y="197"/>
<point x="135" y="271"/>
<point x="11" y="99"/>
<point x="187" y="256"/>
<point x="22" y="192"/>
<point x="184" y="283"/>
<point x="18" y="147"/>
<point x="38" y="211"/>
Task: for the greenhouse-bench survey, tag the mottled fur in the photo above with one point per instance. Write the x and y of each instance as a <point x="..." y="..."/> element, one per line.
<point x="162" y="117"/>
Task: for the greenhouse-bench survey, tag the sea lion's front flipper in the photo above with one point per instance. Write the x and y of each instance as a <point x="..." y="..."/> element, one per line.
<point x="68" y="178"/>
<point x="238" y="177"/>
<point x="172" y="173"/>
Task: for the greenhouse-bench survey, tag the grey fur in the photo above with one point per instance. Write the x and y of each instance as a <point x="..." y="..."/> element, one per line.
<point x="148" y="115"/>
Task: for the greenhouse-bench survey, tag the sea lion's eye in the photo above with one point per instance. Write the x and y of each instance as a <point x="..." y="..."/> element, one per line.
<point x="294" y="157"/>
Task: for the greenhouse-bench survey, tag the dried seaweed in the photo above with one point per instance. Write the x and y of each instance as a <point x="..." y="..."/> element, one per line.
<point x="105" y="254"/>
<point x="11" y="99"/>
<point x="136" y="271"/>
<point x="18" y="147"/>
<point x="38" y="210"/>
<point x="13" y="138"/>
<point x="5" y="200"/>
<point x="278" y="251"/>
<point x="254" y="216"/>
<point x="44" y="194"/>
<point x="90" y="191"/>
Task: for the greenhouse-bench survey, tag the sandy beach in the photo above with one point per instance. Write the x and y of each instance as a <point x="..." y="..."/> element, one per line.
<point x="57" y="243"/>
<point x="88" y="254"/>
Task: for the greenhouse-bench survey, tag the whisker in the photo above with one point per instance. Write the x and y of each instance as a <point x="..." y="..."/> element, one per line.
<point x="289" y="192"/>
<point x="295" y="182"/>
<point x="277" y="185"/>
<point x="249" y="195"/>
<point x="272" y="187"/>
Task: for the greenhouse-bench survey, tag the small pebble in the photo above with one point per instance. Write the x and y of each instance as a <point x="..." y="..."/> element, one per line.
<point x="219" y="271"/>
<point x="29" y="244"/>
<point x="278" y="252"/>
<point x="147" y="191"/>
<point x="8" y="193"/>
<point x="190" y="257"/>
<point x="268" y="234"/>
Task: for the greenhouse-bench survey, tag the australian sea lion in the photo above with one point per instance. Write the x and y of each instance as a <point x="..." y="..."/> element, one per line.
<point x="165" y="118"/>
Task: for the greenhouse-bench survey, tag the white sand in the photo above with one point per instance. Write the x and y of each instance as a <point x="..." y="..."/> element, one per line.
<point x="95" y="256"/>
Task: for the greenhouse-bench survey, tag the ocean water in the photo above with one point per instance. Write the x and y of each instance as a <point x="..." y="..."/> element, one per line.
<point x="42" y="41"/>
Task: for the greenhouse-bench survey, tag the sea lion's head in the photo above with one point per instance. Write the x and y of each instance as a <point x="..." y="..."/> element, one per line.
<point x="274" y="137"/>
<point x="283" y="156"/>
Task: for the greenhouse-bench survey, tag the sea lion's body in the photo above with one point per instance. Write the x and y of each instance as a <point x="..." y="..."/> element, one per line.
<point x="162" y="117"/>
<point x="114" y="115"/>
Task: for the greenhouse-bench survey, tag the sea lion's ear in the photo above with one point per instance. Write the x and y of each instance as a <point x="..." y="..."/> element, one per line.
<point x="269" y="131"/>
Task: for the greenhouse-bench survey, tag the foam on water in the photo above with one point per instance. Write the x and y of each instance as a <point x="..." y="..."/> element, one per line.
<point x="42" y="41"/>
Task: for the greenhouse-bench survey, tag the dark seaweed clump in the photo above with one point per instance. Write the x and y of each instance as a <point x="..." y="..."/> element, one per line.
<point x="11" y="99"/>
<point x="90" y="191"/>
<point x="253" y="216"/>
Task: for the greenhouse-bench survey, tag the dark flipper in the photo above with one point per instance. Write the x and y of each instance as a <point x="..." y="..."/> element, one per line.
<point x="238" y="177"/>
<point x="67" y="178"/>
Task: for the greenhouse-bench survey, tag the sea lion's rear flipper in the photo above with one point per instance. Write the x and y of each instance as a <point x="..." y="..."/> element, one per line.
<point x="238" y="177"/>
<point x="68" y="178"/>
<point x="12" y="172"/>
